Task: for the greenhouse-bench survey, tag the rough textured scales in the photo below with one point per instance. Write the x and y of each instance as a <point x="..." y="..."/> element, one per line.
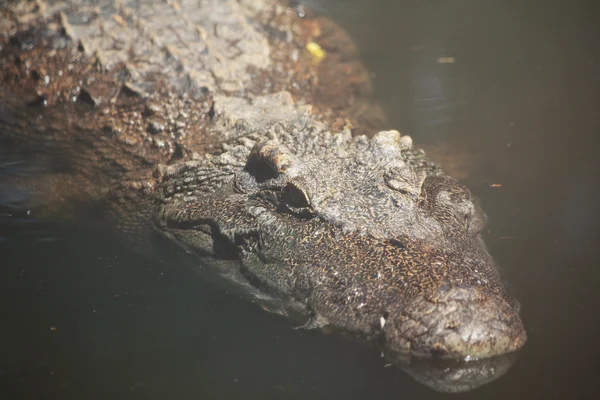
<point x="207" y="126"/>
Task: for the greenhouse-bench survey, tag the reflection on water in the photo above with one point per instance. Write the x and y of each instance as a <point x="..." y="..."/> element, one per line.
<point x="456" y="377"/>
<point x="508" y="90"/>
<point x="89" y="319"/>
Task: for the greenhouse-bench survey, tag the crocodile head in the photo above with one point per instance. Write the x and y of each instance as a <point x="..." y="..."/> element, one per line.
<point x="362" y="234"/>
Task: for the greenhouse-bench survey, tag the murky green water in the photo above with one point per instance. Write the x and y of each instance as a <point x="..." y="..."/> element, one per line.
<point x="503" y="93"/>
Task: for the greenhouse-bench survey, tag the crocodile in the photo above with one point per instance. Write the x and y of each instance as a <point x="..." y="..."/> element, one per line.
<point x="207" y="129"/>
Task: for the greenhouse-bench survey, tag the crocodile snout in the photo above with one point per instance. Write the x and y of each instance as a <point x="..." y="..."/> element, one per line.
<point x="458" y="322"/>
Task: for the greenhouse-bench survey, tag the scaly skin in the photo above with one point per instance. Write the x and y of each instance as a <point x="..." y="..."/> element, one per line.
<point x="212" y="130"/>
<point x="361" y="234"/>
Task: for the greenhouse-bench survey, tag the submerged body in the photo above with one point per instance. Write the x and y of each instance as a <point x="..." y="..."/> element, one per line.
<point x="209" y="129"/>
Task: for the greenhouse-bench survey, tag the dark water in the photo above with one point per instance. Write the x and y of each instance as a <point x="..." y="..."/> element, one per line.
<point x="501" y="92"/>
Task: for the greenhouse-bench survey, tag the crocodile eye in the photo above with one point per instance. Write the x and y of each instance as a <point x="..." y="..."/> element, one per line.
<point x="295" y="197"/>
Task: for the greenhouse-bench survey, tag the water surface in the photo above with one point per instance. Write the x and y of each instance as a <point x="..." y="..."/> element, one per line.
<point x="503" y="93"/>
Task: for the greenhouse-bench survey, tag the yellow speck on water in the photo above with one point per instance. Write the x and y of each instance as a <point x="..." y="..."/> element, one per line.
<point x="316" y="51"/>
